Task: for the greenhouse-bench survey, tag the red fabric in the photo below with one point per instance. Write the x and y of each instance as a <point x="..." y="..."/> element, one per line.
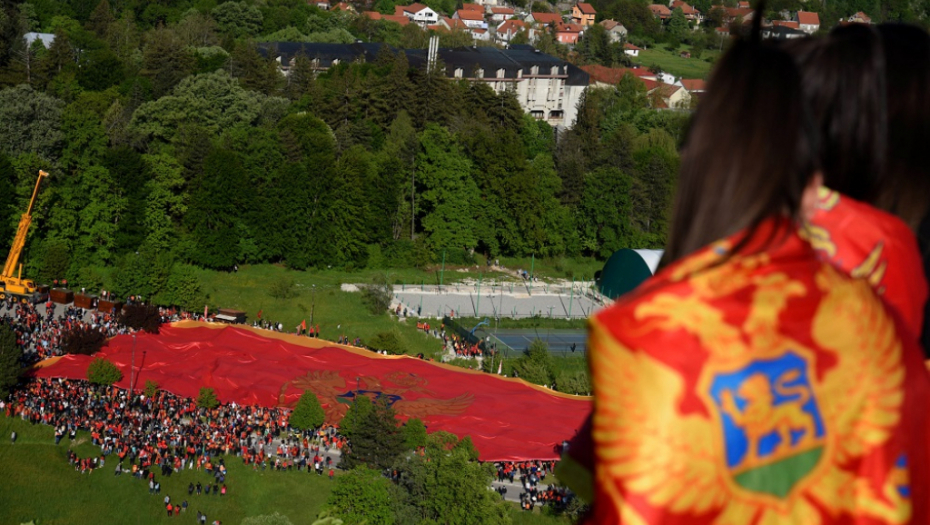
<point x="765" y="389"/>
<point x="847" y="232"/>
<point x="507" y="419"/>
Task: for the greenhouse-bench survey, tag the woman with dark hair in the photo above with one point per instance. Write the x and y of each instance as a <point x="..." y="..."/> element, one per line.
<point x="749" y="382"/>
<point x="863" y="88"/>
<point x="907" y="191"/>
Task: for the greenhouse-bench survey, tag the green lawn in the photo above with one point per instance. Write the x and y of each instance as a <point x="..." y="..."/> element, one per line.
<point x="39" y="485"/>
<point x="671" y="62"/>
<point x="336" y="312"/>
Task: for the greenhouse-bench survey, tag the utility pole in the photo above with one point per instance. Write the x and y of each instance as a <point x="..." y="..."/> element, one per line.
<point x="312" y="304"/>
<point x="132" y="367"/>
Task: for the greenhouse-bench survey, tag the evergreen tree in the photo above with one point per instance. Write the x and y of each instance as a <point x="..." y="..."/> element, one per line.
<point x="11" y="355"/>
<point x="308" y="413"/>
<point x="165" y="60"/>
<point x="213" y="216"/>
<point x="355" y="417"/>
<point x="377" y="440"/>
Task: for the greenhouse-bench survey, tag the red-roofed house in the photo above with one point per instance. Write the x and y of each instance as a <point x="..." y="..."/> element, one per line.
<point x="694" y="85"/>
<point x="743" y="5"/>
<point x="472" y="19"/>
<point x="499" y="14"/>
<point x="509" y="29"/>
<point x="809" y="22"/>
<point x="544" y="18"/>
<point x="568" y="33"/>
<point x="399" y="19"/>
<point x="583" y="14"/>
<point x="690" y="13"/>
<point x="786" y="23"/>
<point x="860" y="18"/>
<point x="662" y="12"/>
<point x="615" y="30"/>
<point x="418" y="13"/>
<point x="630" y="49"/>
<point x="342" y="6"/>
<point x="453" y="23"/>
<point x="669" y="96"/>
<point x="473" y="7"/>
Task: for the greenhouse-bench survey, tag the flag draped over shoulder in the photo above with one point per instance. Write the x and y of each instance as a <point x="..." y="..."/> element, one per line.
<point x="766" y="389"/>
<point x="871" y="244"/>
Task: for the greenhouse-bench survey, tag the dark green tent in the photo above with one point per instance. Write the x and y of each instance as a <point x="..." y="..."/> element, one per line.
<point x="626" y="269"/>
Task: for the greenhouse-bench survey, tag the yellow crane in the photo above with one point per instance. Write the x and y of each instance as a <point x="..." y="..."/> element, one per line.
<point x="15" y="284"/>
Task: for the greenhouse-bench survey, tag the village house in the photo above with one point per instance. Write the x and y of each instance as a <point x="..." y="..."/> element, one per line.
<point x="500" y="14"/>
<point x="543" y="19"/>
<point x="630" y="49"/>
<point x="471" y="18"/>
<point x="568" y="33"/>
<point x="583" y="14"/>
<point x="691" y="14"/>
<point x="662" y="12"/>
<point x="809" y="22"/>
<point x="509" y="29"/>
<point x="343" y="6"/>
<point x="860" y="18"/>
<point x="418" y="13"/>
<point x="603" y="76"/>
<point x="322" y="5"/>
<point x="615" y="30"/>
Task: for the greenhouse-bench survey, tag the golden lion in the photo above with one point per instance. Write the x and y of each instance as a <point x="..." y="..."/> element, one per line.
<point x="761" y="417"/>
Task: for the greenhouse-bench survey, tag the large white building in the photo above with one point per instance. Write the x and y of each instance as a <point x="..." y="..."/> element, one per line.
<point x="547" y="87"/>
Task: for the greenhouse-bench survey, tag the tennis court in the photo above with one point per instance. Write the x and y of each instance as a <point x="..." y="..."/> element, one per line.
<point x="518" y="340"/>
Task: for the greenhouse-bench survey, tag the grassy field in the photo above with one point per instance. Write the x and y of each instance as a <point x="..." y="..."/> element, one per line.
<point x="317" y="296"/>
<point x="671" y="62"/>
<point x="40" y="486"/>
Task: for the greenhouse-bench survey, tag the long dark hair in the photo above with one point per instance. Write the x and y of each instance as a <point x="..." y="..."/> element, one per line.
<point x="844" y="82"/>
<point x="905" y="190"/>
<point x="750" y="151"/>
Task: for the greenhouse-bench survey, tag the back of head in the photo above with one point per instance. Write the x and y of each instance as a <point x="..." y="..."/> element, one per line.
<point x="749" y="152"/>
<point x="844" y="82"/>
<point x="906" y="189"/>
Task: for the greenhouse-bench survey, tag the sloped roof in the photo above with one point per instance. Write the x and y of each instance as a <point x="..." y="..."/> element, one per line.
<point x="465" y="14"/>
<point x="786" y="23"/>
<point x="694" y="84"/>
<point x="808" y="18"/>
<point x="660" y="10"/>
<point x="502" y="10"/>
<point x="510" y="26"/>
<point x="473" y="7"/>
<point x="547" y="18"/>
<point x="685" y="8"/>
<point x="587" y="9"/>
<point x="453" y="23"/>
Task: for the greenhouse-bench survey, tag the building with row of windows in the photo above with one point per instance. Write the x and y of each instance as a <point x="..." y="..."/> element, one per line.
<point x="547" y="87"/>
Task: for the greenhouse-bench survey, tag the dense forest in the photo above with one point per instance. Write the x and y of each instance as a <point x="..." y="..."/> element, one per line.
<point x="171" y="141"/>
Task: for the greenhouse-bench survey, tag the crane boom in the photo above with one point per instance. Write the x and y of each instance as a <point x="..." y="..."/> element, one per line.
<point x="20" y="241"/>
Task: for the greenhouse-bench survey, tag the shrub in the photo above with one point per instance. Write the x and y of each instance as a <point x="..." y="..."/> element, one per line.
<point x="151" y="388"/>
<point x="378" y="294"/>
<point x="390" y="342"/>
<point x="82" y="341"/>
<point x="207" y="398"/>
<point x="282" y="288"/>
<point x="103" y="372"/>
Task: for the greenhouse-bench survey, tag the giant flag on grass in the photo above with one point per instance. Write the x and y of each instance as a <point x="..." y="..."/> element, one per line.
<point x="507" y="419"/>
